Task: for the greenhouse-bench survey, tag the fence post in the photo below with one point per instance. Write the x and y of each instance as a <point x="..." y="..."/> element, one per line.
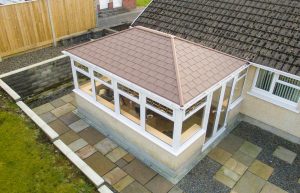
<point x="51" y="22"/>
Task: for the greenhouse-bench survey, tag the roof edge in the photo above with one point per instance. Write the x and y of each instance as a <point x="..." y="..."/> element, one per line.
<point x="154" y="31"/>
<point x="181" y="102"/>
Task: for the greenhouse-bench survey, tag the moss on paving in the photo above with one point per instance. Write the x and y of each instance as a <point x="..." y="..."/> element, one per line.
<point x="28" y="161"/>
<point x="142" y="3"/>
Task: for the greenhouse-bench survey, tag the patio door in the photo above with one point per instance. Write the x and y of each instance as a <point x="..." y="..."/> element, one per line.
<point x="117" y="3"/>
<point x="218" y="112"/>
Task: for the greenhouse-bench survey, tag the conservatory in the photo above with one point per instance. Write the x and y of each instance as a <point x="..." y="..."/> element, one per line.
<point x="163" y="98"/>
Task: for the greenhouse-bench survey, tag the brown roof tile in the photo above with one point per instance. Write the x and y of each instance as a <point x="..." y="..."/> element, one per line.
<point x="171" y="67"/>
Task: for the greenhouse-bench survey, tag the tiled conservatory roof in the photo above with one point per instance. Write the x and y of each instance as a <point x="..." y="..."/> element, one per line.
<point x="266" y="32"/>
<point x="171" y="67"/>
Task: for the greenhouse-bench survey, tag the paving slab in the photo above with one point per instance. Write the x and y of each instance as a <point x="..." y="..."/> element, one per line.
<point x="249" y="183"/>
<point x="116" y="154"/>
<point x="105" y="146"/>
<point x="236" y="166"/>
<point x="100" y="163"/>
<point x="43" y="109"/>
<point x="250" y="149"/>
<point x="78" y="144"/>
<point x="243" y="158"/>
<point x="91" y="135"/>
<point x="219" y="155"/>
<point x="271" y="188"/>
<point x="69" y="118"/>
<point x="60" y="111"/>
<point x="128" y="157"/>
<point x="175" y="189"/>
<point x="114" y="176"/>
<point x="227" y="177"/>
<point x="59" y="127"/>
<point x="48" y="117"/>
<point x="79" y="125"/>
<point x="144" y="174"/>
<point x="123" y="183"/>
<point x="159" y="185"/>
<point x="67" y="98"/>
<point x="121" y="163"/>
<point x="285" y="154"/>
<point x="261" y="169"/>
<point x="57" y="103"/>
<point x="135" y="187"/>
<point x="86" y="151"/>
<point x="231" y="143"/>
<point x="69" y="137"/>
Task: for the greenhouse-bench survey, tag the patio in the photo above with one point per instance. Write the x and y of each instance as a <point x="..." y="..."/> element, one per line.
<point x="248" y="159"/>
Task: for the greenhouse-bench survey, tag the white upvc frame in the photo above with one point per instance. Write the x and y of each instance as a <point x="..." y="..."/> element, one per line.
<point x="269" y="96"/>
<point x="233" y="104"/>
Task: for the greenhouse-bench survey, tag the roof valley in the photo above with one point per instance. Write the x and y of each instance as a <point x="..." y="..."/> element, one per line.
<point x="181" y="102"/>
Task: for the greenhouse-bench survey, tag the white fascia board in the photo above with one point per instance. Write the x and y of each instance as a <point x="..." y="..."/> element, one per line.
<point x="276" y="71"/>
<point x="152" y="95"/>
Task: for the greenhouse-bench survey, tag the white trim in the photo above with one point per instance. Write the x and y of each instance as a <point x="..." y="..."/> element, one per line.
<point x="219" y="109"/>
<point x="138" y="129"/>
<point x="276" y="71"/>
<point x="83" y="72"/>
<point x="194" y="111"/>
<point x="236" y="103"/>
<point x="101" y="81"/>
<point x="159" y="112"/>
<point x="272" y="99"/>
<point x="124" y="94"/>
<point x="177" y="128"/>
<point x="143" y="111"/>
<point x="116" y="97"/>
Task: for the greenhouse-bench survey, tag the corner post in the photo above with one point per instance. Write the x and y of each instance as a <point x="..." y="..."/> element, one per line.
<point x="178" y="119"/>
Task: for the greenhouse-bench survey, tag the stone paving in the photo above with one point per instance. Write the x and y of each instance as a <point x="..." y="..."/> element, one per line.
<point x="121" y="170"/>
<point x="242" y="163"/>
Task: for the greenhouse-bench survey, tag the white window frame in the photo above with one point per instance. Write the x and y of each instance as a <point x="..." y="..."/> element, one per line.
<point x="233" y="104"/>
<point x="269" y="96"/>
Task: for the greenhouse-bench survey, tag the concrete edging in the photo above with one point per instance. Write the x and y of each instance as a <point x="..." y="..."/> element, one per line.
<point x="9" y="91"/>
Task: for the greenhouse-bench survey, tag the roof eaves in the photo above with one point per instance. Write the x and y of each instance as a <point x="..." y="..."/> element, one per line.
<point x="181" y="102"/>
<point x="154" y="31"/>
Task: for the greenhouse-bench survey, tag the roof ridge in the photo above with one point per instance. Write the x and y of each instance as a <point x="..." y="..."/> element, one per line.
<point x="181" y="102"/>
<point x="154" y="31"/>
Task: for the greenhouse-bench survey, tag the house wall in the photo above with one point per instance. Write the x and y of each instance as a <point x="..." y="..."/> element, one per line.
<point x="170" y="166"/>
<point x="271" y="117"/>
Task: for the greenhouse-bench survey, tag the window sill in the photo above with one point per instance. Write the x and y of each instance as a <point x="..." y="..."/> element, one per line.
<point x="273" y="100"/>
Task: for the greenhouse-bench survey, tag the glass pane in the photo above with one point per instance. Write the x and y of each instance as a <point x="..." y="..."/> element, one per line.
<point x="82" y="67"/>
<point x="192" y="125"/>
<point x="104" y="95"/>
<point x="194" y="106"/>
<point x="287" y="92"/>
<point x="159" y="126"/>
<point x="102" y="77"/>
<point x="238" y="89"/>
<point x="213" y="113"/>
<point x="84" y="83"/>
<point x="128" y="91"/>
<point x="289" y="80"/>
<point x="243" y="72"/>
<point x="225" y="104"/>
<point x="130" y="109"/>
<point x="264" y="80"/>
<point x="159" y="106"/>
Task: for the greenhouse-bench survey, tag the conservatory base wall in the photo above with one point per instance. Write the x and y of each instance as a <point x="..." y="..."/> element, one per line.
<point x="280" y="121"/>
<point x="165" y="163"/>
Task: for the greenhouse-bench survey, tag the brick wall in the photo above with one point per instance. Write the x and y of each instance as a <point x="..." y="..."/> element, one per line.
<point x="129" y="4"/>
<point x="38" y="79"/>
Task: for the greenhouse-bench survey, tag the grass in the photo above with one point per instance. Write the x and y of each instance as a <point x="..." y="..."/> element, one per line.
<point x="29" y="162"/>
<point x="142" y="3"/>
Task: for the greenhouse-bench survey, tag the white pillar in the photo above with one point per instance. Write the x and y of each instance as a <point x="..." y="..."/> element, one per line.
<point x="178" y="118"/>
<point x="143" y="110"/>
<point x="116" y="96"/>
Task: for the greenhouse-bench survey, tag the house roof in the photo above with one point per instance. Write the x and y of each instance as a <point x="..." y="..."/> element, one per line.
<point x="171" y="67"/>
<point x="266" y="32"/>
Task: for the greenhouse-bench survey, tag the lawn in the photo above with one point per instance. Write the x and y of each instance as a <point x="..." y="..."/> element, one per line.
<point x="29" y="162"/>
<point x="142" y="3"/>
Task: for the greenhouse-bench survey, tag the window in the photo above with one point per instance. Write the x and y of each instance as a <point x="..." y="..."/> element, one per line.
<point x="80" y="66"/>
<point x="130" y="109"/>
<point x="195" y="106"/>
<point x="159" y="106"/>
<point x="238" y="89"/>
<point x="128" y="91"/>
<point x="104" y="95"/>
<point x="99" y="76"/>
<point x="279" y="86"/>
<point x="192" y="125"/>
<point x="159" y="126"/>
<point x="84" y="83"/>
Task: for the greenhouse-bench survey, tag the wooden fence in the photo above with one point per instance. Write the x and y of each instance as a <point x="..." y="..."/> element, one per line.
<point x="34" y="24"/>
